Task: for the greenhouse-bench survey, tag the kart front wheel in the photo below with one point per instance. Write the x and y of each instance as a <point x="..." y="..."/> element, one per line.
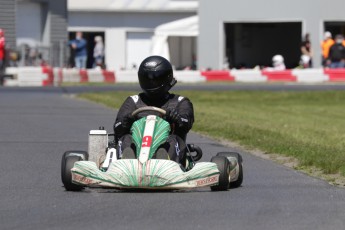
<point x="67" y="163"/>
<point x="223" y="165"/>
<point x="237" y="183"/>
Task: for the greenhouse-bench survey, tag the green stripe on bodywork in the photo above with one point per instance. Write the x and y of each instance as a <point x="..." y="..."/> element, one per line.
<point x="160" y="134"/>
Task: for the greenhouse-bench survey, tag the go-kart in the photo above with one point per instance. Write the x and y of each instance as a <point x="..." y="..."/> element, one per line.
<point x="102" y="167"/>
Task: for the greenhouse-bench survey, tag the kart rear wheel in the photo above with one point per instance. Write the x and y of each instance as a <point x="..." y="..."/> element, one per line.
<point x="223" y="165"/>
<point x="67" y="163"/>
<point x="238" y="182"/>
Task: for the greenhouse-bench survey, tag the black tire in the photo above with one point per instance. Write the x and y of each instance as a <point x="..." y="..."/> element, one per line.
<point x="67" y="163"/>
<point x="82" y="154"/>
<point x="223" y="165"/>
<point x="238" y="182"/>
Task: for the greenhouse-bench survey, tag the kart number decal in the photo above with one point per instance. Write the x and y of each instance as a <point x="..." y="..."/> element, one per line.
<point x="146" y="142"/>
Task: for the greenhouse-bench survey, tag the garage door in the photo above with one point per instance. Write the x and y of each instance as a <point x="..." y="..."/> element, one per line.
<point x="28" y="23"/>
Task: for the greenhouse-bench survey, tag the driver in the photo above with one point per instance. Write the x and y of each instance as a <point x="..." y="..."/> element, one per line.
<point x="156" y="79"/>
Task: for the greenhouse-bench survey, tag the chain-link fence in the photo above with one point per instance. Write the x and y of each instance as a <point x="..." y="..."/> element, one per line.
<point x="55" y="55"/>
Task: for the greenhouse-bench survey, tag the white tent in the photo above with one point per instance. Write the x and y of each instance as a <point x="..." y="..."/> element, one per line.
<point x="187" y="27"/>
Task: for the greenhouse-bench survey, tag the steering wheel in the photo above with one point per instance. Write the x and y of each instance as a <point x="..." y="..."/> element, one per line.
<point x="149" y="108"/>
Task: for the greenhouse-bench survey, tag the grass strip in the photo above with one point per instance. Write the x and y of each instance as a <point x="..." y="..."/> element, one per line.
<point x="308" y="126"/>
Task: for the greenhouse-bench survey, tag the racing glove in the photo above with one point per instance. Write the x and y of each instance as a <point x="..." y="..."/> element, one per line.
<point x="127" y="121"/>
<point x="173" y="116"/>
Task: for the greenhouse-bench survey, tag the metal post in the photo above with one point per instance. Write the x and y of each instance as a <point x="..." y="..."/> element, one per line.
<point x="22" y="59"/>
<point x="61" y="53"/>
<point x="51" y="54"/>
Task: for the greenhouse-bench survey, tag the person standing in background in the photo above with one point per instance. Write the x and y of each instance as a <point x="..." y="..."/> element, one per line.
<point x="337" y="53"/>
<point x="325" y="46"/>
<point x="80" y="51"/>
<point x="98" y="52"/>
<point x="2" y="56"/>
<point x="306" y="49"/>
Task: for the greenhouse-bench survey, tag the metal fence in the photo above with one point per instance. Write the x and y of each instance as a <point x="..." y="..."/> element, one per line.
<point x="55" y="55"/>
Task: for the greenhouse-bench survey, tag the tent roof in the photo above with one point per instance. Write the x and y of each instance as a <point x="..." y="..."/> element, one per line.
<point x="133" y="5"/>
<point x="186" y="27"/>
<point x="183" y="27"/>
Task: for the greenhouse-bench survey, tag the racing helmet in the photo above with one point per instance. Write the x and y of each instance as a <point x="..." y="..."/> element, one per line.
<point x="156" y="75"/>
<point x="277" y="60"/>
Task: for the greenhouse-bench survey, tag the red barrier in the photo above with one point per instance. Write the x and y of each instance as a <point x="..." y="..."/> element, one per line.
<point x="109" y="76"/>
<point x="83" y="76"/>
<point x="49" y="71"/>
<point x="335" y="74"/>
<point x="279" y="75"/>
<point x="217" y="76"/>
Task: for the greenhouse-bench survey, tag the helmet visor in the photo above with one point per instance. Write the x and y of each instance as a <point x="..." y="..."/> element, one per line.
<point x="153" y="80"/>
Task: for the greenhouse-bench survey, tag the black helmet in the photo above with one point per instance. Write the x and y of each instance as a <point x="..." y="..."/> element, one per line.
<point x="156" y="75"/>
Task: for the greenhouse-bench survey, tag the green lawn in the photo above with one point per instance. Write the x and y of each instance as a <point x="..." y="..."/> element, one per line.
<point x="309" y="126"/>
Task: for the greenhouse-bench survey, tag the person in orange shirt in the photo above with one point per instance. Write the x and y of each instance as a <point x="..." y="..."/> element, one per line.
<point x="325" y="46"/>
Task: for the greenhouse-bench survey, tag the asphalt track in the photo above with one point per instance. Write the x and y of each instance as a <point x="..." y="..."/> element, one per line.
<point x="38" y="125"/>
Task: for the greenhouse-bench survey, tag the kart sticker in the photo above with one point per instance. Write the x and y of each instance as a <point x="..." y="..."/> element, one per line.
<point x="147" y="141"/>
<point x="207" y="181"/>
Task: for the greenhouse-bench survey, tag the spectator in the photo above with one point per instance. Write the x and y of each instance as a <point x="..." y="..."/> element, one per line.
<point x="13" y="58"/>
<point x="337" y="53"/>
<point x="80" y="51"/>
<point x="98" y="52"/>
<point x="304" y="62"/>
<point x="2" y="56"/>
<point x="306" y="49"/>
<point x="326" y="45"/>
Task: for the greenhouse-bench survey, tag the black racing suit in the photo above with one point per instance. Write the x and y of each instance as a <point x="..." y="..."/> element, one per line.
<point x="175" y="144"/>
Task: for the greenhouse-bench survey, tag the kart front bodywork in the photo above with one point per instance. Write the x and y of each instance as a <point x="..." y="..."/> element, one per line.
<point x="153" y="174"/>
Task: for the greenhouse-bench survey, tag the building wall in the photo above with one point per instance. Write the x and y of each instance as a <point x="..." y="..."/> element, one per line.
<point x="29" y="19"/>
<point x="312" y="14"/>
<point x="41" y="22"/>
<point x="123" y="29"/>
<point x="58" y="20"/>
<point x="7" y="20"/>
<point x="122" y="19"/>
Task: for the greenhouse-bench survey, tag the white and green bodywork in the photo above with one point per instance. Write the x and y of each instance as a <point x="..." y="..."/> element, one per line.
<point x="144" y="172"/>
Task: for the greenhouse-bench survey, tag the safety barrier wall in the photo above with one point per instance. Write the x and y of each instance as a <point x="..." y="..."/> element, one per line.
<point x="47" y="76"/>
<point x="29" y="76"/>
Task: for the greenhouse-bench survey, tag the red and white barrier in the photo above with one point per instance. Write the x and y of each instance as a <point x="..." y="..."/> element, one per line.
<point x="248" y="75"/>
<point x="46" y="76"/>
<point x="30" y="76"/>
<point x="310" y="75"/>
<point x="335" y="75"/>
<point x="189" y="76"/>
<point x="217" y="75"/>
<point x="83" y="75"/>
